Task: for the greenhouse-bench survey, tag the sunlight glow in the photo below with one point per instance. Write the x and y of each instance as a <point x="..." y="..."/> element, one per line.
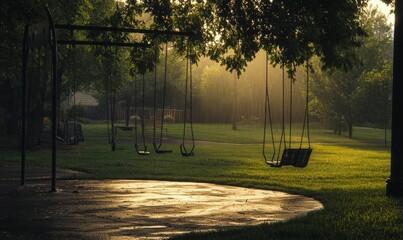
<point x="386" y="9"/>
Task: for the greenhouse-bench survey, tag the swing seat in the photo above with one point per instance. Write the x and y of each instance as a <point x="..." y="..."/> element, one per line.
<point x="73" y="133"/>
<point x="302" y="157"/>
<point x="162" y="151"/>
<point x="126" y="128"/>
<point x="184" y="152"/>
<point x="141" y="152"/>
<point x="297" y="157"/>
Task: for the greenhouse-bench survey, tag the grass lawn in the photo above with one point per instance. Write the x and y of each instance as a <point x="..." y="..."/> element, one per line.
<point x="346" y="175"/>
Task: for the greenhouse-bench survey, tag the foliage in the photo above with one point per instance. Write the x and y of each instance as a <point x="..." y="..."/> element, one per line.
<point x="335" y="94"/>
<point x="375" y="95"/>
<point x="231" y="32"/>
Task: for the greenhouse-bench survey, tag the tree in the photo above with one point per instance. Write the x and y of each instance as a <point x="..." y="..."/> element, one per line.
<point x="335" y="91"/>
<point x="232" y="31"/>
<point x="374" y="97"/>
<point x="13" y="16"/>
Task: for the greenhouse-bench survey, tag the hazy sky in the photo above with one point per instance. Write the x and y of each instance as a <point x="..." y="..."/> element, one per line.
<point x="386" y="9"/>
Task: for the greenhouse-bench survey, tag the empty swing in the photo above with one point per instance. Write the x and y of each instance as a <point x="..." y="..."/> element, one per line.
<point x="297" y="157"/>
<point x="110" y="107"/>
<point x="73" y="133"/>
<point x="136" y="146"/>
<point x="188" y="81"/>
<point x="267" y="116"/>
<point x="157" y="147"/>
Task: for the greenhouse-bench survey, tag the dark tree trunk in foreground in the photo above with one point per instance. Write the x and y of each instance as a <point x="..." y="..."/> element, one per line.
<point x="394" y="184"/>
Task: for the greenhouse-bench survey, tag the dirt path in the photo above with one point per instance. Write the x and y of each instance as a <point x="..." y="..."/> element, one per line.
<point x="136" y="209"/>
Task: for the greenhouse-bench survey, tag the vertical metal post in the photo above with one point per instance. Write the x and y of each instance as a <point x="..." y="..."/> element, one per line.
<point x="24" y="105"/>
<point x="54" y="116"/>
<point x="53" y="44"/>
<point x="394" y="184"/>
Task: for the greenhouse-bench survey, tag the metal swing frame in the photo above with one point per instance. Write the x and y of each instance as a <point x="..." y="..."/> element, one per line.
<point x="36" y="36"/>
<point x="43" y="34"/>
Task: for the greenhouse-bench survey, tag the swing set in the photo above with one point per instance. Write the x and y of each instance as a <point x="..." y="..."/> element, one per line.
<point x="157" y="147"/>
<point x="72" y="132"/>
<point x="291" y="156"/>
<point x="140" y="114"/>
<point x="42" y="35"/>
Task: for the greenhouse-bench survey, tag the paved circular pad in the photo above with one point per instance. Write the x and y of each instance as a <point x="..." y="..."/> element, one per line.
<point x="142" y="209"/>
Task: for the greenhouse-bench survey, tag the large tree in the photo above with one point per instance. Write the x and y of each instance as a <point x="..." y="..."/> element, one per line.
<point x="336" y="98"/>
<point x="374" y="98"/>
<point x="233" y="31"/>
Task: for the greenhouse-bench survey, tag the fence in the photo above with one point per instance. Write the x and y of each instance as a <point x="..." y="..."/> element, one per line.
<point x="97" y="113"/>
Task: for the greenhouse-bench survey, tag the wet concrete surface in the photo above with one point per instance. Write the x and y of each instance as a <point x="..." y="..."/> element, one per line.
<point x="136" y="209"/>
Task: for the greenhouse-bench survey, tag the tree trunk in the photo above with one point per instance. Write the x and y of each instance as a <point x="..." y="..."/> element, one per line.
<point x="340" y="126"/>
<point x="127" y="114"/>
<point x="350" y="130"/>
<point x="394" y="184"/>
<point x="235" y="103"/>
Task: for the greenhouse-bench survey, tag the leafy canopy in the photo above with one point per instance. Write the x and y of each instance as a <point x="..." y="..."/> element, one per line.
<point x="233" y="31"/>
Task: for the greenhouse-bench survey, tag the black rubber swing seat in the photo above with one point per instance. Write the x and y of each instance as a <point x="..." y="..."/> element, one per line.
<point x="162" y="151"/>
<point x="297" y="157"/>
<point x="126" y="128"/>
<point x="184" y="152"/>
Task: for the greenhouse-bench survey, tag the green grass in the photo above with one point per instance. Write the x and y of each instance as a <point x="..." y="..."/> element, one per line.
<point x="346" y="175"/>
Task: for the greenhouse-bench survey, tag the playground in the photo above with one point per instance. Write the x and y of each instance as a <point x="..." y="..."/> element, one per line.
<point x="207" y="122"/>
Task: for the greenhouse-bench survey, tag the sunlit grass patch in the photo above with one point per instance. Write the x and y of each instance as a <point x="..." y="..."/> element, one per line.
<point x="346" y="175"/>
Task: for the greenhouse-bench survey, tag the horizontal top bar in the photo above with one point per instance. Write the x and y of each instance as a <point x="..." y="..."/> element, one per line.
<point x="99" y="43"/>
<point x="116" y="29"/>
